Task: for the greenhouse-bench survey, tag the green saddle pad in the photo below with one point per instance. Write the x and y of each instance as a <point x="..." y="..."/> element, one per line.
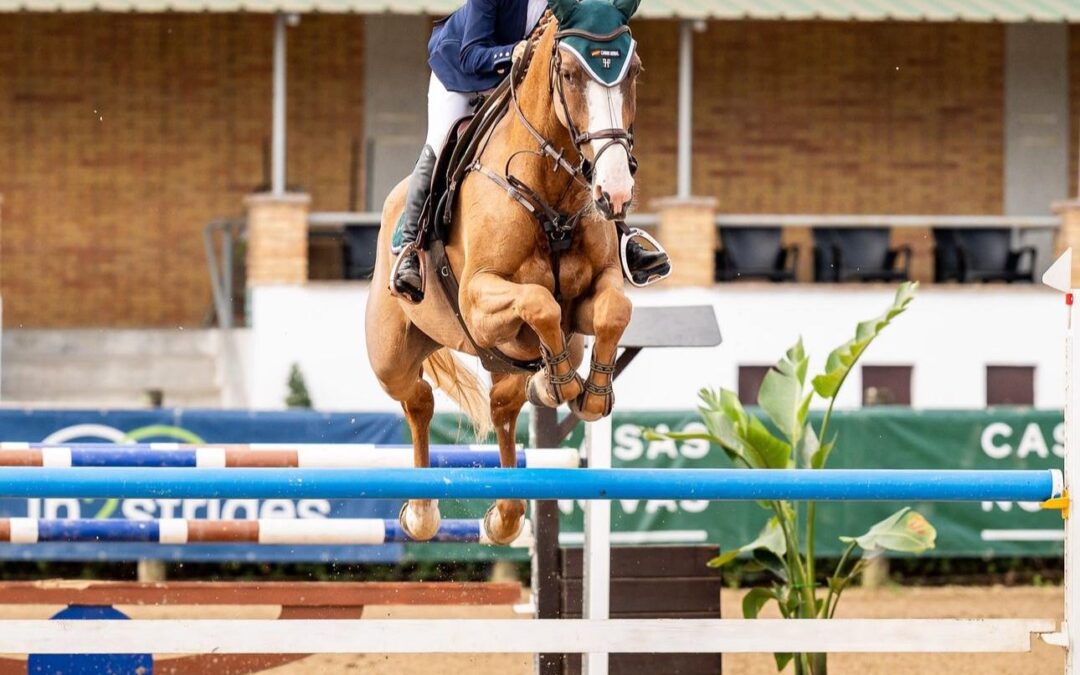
<point x="397" y="241"/>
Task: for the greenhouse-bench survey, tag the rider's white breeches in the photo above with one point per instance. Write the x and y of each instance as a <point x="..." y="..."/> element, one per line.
<point x="444" y="108"/>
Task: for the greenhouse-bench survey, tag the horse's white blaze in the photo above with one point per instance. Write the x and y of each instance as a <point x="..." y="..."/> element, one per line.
<point x="612" y="170"/>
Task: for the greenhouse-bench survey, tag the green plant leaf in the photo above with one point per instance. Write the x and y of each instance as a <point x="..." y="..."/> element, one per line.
<point x="821" y="457"/>
<point x="809" y="447"/>
<point x="905" y="531"/>
<point x="654" y="435"/>
<point x="782" y="660"/>
<point x="771" y="562"/>
<point x="781" y="395"/>
<point x="769" y="452"/>
<point x="843" y="358"/>
<point x="771" y="538"/>
<point x="757" y="598"/>
<point x="744" y="437"/>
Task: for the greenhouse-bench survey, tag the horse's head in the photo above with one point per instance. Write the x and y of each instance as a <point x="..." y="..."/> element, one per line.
<point x="595" y="69"/>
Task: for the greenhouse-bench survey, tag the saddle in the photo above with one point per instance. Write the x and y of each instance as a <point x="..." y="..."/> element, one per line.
<point x="463" y="145"/>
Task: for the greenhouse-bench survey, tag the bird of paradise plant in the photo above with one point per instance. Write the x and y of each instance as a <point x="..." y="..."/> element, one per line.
<point x="785" y="547"/>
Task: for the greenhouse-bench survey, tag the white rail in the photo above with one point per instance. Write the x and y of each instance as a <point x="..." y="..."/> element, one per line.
<point x="522" y="636"/>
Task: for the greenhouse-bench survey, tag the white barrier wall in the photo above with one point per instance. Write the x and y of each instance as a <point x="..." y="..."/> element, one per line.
<point x="949" y="335"/>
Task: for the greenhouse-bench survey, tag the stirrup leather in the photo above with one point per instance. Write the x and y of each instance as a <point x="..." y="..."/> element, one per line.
<point x="408" y="249"/>
<point x="624" y="242"/>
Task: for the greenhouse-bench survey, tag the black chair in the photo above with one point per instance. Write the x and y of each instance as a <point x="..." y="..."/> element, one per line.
<point x="946" y="255"/>
<point x="361" y="243"/>
<point x="981" y="255"/>
<point x="858" y="254"/>
<point x="755" y="253"/>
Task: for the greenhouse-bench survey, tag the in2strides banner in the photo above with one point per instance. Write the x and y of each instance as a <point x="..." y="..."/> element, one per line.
<point x="187" y="426"/>
<point x="877" y="438"/>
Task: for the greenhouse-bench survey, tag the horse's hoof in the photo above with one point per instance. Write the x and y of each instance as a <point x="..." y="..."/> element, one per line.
<point x="493" y="527"/>
<point x="540" y="392"/>
<point x="579" y="407"/>
<point x="420" y="525"/>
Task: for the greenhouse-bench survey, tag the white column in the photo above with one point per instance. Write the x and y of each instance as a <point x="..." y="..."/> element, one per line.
<point x="596" y="565"/>
<point x="686" y="112"/>
<point x="1072" y="487"/>
<point x="277" y="133"/>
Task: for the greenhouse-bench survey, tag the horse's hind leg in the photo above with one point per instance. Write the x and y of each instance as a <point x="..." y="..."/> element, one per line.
<point x="397" y="351"/>
<point x="504" y="520"/>
<point x="420" y="517"/>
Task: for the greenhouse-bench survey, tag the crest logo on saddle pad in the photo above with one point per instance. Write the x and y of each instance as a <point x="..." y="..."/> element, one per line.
<point x="599" y="35"/>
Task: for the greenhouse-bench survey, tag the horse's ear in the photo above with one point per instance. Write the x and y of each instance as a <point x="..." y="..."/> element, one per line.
<point x="562" y="9"/>
<point x="627" y="7"/>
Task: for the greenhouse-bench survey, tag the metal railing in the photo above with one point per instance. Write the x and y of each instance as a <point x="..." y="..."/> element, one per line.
<point x="222" y="270"/>
<point x="891" y="221"/>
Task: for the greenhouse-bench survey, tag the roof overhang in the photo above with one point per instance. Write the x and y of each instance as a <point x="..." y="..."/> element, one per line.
<point x="1000" y="11"/>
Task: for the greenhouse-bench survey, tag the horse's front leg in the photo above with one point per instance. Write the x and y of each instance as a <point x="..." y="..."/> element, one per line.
<point x="605" y="314"/>
<point x="503" y="522"/>
<point x="495" y="308"/>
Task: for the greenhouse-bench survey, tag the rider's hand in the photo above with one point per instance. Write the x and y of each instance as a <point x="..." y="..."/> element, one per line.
<point x="519" y="51"/>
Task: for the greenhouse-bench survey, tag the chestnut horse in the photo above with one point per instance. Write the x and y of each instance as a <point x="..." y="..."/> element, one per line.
<point x="508" y="298"/>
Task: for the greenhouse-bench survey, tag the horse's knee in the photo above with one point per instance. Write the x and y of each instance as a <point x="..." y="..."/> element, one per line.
<point x="613" y="313"/>
<point x="537" y="307"/>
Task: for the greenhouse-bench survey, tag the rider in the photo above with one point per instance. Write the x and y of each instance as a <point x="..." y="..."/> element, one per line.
<point x="470" y="52"/>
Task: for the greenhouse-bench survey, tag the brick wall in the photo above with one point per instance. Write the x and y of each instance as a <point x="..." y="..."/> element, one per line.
<point x="831" y="118"/>
<point x="123" y="135"/>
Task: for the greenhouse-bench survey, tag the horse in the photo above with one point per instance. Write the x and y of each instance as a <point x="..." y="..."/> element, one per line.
<point x="567" y="144"/>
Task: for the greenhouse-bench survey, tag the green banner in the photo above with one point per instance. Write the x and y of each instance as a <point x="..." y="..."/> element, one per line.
<point x="870" y="438"/>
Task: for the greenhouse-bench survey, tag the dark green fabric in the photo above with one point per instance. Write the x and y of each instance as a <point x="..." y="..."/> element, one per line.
<point x="606" y="60"/>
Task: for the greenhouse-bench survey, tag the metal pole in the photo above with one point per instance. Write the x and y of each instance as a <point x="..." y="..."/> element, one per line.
<point x="277" y="138"/>
<point x="1072" y="487"/>
<point x="686" y="104"/>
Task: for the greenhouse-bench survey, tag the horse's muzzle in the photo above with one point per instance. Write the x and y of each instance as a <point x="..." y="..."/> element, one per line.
<point x="604" y="203"/>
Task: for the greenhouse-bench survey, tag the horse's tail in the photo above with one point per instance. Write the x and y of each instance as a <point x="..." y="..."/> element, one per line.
<point x="461" y="384"/>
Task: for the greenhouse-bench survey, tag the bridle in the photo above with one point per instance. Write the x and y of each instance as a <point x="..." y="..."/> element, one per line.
<point x="558" y="227"/>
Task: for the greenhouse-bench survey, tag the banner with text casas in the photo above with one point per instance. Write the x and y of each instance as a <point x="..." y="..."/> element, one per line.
<point x="877" y="438"/>
<point x="198" y="426"/>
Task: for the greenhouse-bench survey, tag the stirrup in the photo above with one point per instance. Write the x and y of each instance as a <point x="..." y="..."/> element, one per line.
<point x="408" y="249"/>
<point x="624" y="242"/>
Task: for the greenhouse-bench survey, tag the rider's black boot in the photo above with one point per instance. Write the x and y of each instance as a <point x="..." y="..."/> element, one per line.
<point x="407" y="278"/>
<point x="645" y="264"/>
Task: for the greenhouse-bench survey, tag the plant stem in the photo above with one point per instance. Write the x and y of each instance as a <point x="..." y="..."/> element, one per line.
<point x="836" y="578"/>
<point x="811" y="517"/>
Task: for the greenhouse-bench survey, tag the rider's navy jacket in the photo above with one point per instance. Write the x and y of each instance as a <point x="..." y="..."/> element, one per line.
<point x="470" y="50"/>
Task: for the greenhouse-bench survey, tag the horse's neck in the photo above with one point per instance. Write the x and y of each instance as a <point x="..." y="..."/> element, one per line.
<point x="537" y="105"/>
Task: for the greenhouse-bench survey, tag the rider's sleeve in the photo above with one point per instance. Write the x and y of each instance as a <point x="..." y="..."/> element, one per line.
<point x="480" y="56"/>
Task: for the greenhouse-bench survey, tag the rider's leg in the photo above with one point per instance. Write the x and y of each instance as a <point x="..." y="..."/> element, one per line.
<point x="444" y="109"/>
<point x="645" y="264"/>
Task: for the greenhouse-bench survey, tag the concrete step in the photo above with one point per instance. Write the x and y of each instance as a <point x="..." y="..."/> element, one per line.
<point x="101" y="343"/>
<point x="117" y="400"/>
<point x="36" y="375"/>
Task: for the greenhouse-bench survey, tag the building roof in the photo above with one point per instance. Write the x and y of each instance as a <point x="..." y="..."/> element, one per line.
<point x="1006" y="11"/>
